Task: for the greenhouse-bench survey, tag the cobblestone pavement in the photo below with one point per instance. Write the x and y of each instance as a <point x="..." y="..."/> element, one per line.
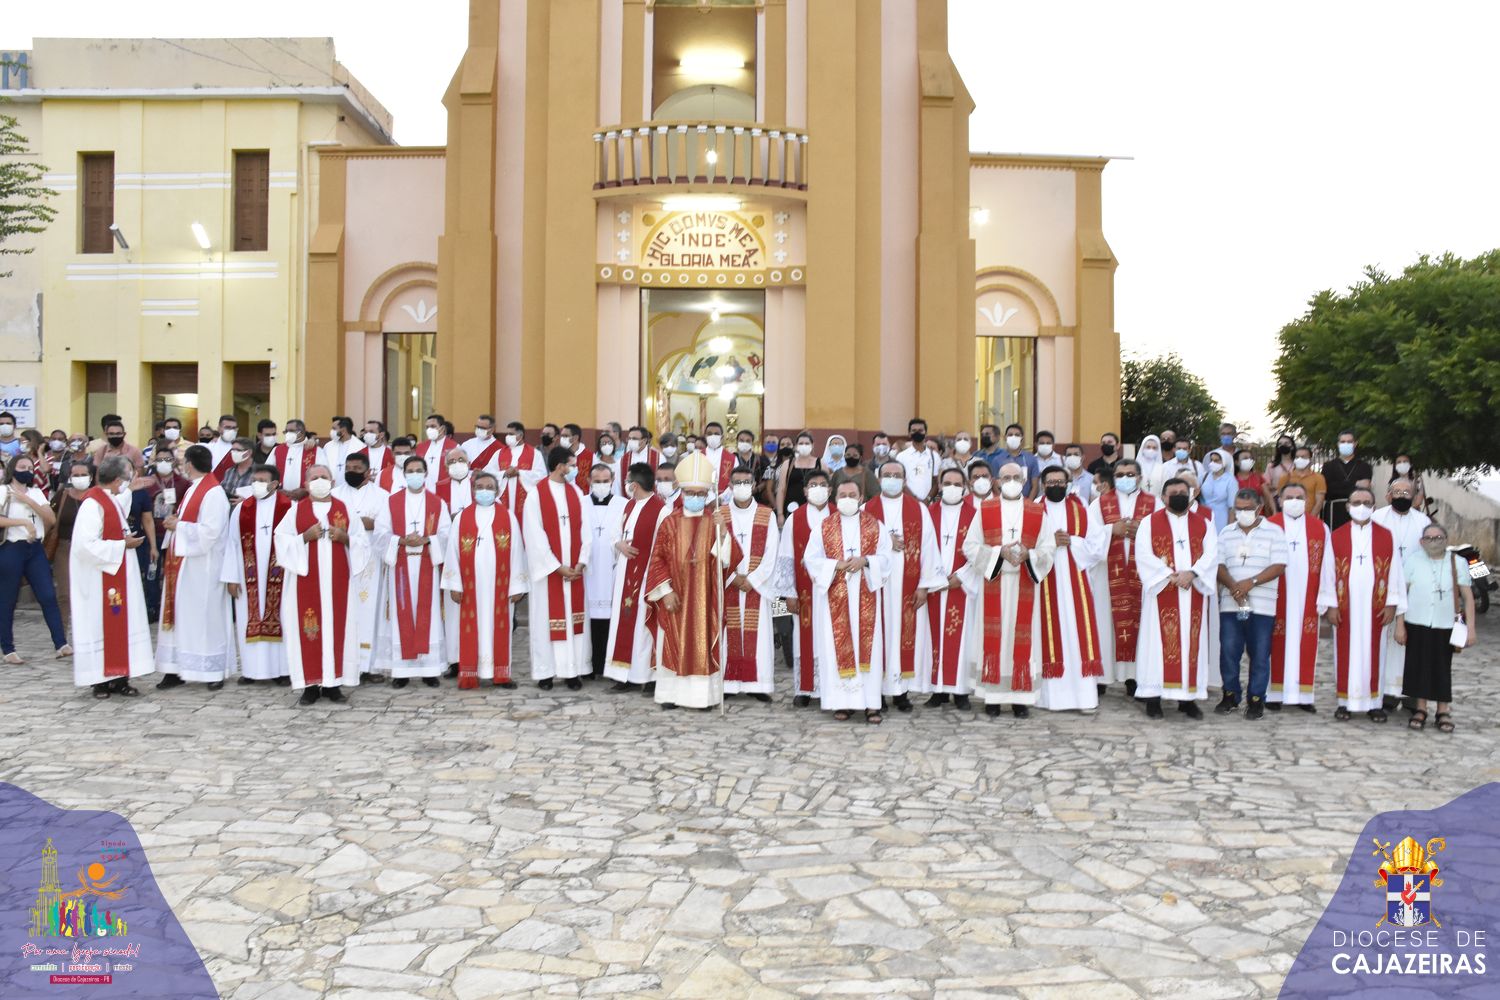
<point x="450" y="844"/>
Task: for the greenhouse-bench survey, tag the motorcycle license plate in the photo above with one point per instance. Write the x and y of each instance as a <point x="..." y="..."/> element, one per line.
<point x="1478" y="571"/>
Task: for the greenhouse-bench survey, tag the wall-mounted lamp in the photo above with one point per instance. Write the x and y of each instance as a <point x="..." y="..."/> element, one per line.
<point x="201" y="235"/>
<point x="114" y="230"/>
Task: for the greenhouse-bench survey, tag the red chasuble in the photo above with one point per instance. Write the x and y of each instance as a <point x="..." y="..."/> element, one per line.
<point x="1307" y="614"/>
<point x="1020" y="658"/>
<point x="801" y="535"/>
<point x="1083" y="605"/>
<point x="260" y="627"/>
<point x="947" y="629"/>
<point x="1167" y="613"/>
<point x="172" y="564"/>
<point x="642" y="538"/>
<point x="558" y="626"/>
<point x="469" y="609"/>
<point x="850" y="659"/>
<point x="911" y="571"/>
<point x="1381" y="546"/>
<point x="414" y="617"/>
<point x="743" y="629"/>
<point x="115" y="591"/>
<point x="310" y="594"/>
<point x="1124" y="580"/>
<point x="683" y="555"/>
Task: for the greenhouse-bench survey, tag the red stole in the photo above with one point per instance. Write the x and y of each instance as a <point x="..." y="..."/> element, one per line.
<point x="260" y="627"/>
<point x="387" y="457"/>
<point x="225" y="464"/>
<point x="444" y="491"/>
<point x="1382" y="544"/>
<point x="523" y="457"/>
<point x="1083" y="605"/>
<point x="743" y="628"/>
<point x="173" y="562"/>
<point x="386" y="480"/>
<point x="487" y="453"/>
<point x="849" y="659"/>
<point x="911" y="571"/>
<point x="585" y="459"/>
<point x="801" y="535"/>
<point x="1307" y="614"/>
<point x="1124" y="580"/>
<point x="468" y="608"/>
<point x="990" y="521"/>
<point x="726" y="466"/>
<point x="446" y="445"/>
<point x="557" y="624"/>
<point x="1167" y="615"/>
<point x="413" y="618"/>
<point x="309" y="455"/>
<point x="642" y="538"/>
<point x="115" y="605"/>
<point x="310" y="593"/>
<point x="648" y="456"/>
<point x="947" y="627"/>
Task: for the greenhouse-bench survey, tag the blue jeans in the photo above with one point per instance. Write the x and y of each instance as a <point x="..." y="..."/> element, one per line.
<point x="27" y="560"/>
<point x="1234" y="637"/>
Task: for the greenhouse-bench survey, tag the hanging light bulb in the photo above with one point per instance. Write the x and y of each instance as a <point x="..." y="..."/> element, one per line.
<point x="713" y="314"/>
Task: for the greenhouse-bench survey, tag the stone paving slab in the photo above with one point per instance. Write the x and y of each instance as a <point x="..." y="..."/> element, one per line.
<point x="461" y="845"/>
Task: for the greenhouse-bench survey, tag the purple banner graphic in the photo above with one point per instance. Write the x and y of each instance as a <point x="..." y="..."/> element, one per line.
<point x="80" y="912"/>
<point x="1418" y="911"/>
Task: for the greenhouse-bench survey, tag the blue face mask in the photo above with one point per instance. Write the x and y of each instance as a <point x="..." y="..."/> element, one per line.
<point x="1125" y="484"/>
<point x="692" y="504"/>
<point x="1182" y="454"/>
<point x="836" y="452"/>
<point x="771" y="447"/>
<point x="484" y="498"/>
<point x="1226" y="439"/>
<point x="416" y="480"/>
<point x="570" y="475"/>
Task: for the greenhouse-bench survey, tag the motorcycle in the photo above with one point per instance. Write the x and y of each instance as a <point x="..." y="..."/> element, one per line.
<point x="1479" y="572"/>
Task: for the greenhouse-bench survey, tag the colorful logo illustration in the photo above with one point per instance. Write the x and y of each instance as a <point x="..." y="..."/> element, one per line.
<point x="80" y="912"/>
<point x="1409" y="875"/>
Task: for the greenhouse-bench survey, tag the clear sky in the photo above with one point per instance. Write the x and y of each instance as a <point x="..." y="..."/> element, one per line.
<point x="1277" y="147"/>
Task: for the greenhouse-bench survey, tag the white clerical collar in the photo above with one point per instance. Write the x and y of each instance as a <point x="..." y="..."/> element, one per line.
<point x="749" y="505"/>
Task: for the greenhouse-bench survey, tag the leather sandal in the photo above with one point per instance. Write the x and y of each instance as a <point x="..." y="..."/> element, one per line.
<point x="1418" y="721"/>
<point x="1445" y="722"/>
<point x="874" y="718"/>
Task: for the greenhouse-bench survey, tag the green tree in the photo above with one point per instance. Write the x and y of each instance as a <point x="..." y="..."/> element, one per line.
<point x="23" y="197"/>
<point x="1410" y="363"/>
<point x="1158" y="394"/>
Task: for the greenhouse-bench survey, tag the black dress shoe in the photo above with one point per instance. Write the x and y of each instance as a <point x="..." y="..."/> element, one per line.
<point x="371" y="677"/>
<point x="935" y="701"/>
<point x="761" y="696"/>
<point x="648" y="689"/>
<point x="802" y="701"/>
<point x="508" y="685"/>
<point x="431" y="682"/>
<point x="1256" y="709"/>
<point x="101" y="691"/>
<point x="1153" y="708"/>
<point x="1274" y="706"/>
<point x="1389" y="703"/>
<point x="545" y="685"/>
<point x="961" y="701"/>
<point x="620" y="687"/>
<point x="902" y="703"/>
<point x="667" y="706"/>
<point x="169" y="681"/>
<point x="1130" y="689"/>
<point x="573" y="683"/>
<point x="332" y="693"/>
<point x="1102" y="688"/>
<point x="1227" y="704"/>
<point x="1020" y="711"/>
<point x="245" y="681"/>
<point x="216" y="685"/>
<point x="1190" y="709"/>
<point x="400" y="682"/>
<point x="993" y="711"/>
<point x="309" y="695"/>
<point x="1309" y="708"/>
<point x="452" y="670"/>
<point x="283" y="682"/>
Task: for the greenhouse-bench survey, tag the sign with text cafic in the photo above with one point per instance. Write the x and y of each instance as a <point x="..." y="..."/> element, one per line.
<point x="20" y="400"/>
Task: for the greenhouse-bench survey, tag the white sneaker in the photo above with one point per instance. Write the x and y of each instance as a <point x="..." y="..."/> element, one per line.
<point x="64" y="651"/>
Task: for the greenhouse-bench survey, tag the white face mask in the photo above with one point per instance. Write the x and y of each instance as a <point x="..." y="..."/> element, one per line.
<point x="1010" y="489"/>
<point x="1042" y="450"/>
<point x="742" y="491"/>
<point x="458" y="470"/>
<point x="124" y="488"/>
<point x="1072" y="462"/>
<point x="882" y="450"/>
<point x="1402" y="468"/>
<point x="1215" y="463"/>
<point x="599" y="490"/>
<point x="952" y="493"/>
<point x="320" y="488"/>
<point x="961" y="446"/>
<point x="1247" y="464"/>
<point x="566" y="442"/>
<point x="981" y="487"/>
<point x="371" y="439"/>
<point x="433" y="433"/>
<point x="891" y="486"/>
<point x="171" y="434"/>
<point x="1360" y="512"/>
<point x="669" y="451"/>
<point x="713" y="441"/>
<point x="513" y="440"/>
<point x="804" y="449"/>
<point x="607" y="449"/>
<point x="1013" y="442"/>
<point x="260" y="490"/>
<point x="1245" y="518"/>
<point x="291" y="437"/>
<point x="633" y="444"/>
<point x="228" y="434"/>
<point x="1148" y="452"/>
<point x="1294" y="506"/>
<point x="665" y="490"/>
<point x="56" y="445"/>
<point x="1346" y="448"/>
<point x="239" y="456"/>
<point x="746" y="447"/>
<point x="848" y="506"/>
<point x="1302" y="463"/>
<point x="80" y="482"/>
<point x="692" y="446"/>
<point x="268" y="441"/>
<point x="817" y="495"/>
<point x="163" y="468"/>
<point x="483" y="433"/>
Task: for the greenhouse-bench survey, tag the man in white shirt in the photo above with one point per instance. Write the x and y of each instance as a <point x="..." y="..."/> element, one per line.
<point x="364" y="498"/>
<point x="607" y="515"/>
<point x="1080" y="480"/>
<point x="377" y="446"/>
<point x="919" y="461"/>
<point x="340" y="445"/>
<point x="1406" y="525"/>
<point x="1252" y="557"/>
<point x="1174" y="464"/>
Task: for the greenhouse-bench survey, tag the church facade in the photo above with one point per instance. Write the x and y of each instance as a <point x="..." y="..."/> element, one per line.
<point x="760" y="212"/>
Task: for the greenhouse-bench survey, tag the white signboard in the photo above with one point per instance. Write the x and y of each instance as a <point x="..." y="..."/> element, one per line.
<point x="20" y="400"/>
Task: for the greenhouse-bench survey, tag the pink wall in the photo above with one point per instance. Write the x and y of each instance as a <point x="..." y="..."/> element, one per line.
<point x="394" y="214"/>
<point x="510" y="196"/>
<point x="900" y="96"/>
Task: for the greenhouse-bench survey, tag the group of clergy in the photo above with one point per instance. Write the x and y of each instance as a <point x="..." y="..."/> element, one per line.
<point x="664" y="578"/>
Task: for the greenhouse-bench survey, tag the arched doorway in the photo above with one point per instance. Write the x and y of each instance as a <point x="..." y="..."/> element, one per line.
<point x="705" y="355"/>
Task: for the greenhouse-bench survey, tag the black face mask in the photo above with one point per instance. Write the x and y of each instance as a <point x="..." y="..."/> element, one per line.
<point x="547" y="438"/>
<point x="1400" y="504"/>
<point x="201" y="440"/>
<point x="1106" y="449"/>
<point x="1056" y="493"/>
<point x="1167" y="447"/>
<point x="986" y="440"/>
<point x="24" y="477"/>
<point x="917" y="437"/>
<point x="354" y="479"/>
<point x="1283" y="449"/>
<point x="1178" y="503"/>
<point x="852" y="461"/>
<point x="115" y="440"/>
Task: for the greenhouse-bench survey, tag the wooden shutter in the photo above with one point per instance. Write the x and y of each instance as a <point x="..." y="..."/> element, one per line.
<point x="98" y="202"/>
<point x="252" y="194"/>
<point x="171" y="380"/>
<point x="99" y="377"/>
<point x="252" y="380"/>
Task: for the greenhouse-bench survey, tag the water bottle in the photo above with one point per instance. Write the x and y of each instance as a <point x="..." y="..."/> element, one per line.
<point x="1242" y="612"/>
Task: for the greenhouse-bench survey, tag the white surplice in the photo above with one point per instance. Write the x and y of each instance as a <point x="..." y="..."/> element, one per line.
<point x="1294" y="584"/>
<point x="89" y="558"/>
<point x="291" y="476"/>
<point x="292" y="553"/>
<point x="1156" y="575"/>
<point x="861" y="691"/>
<point x="1073" y="690"/>
<point x="626" y="606"/>
<point x="1406" y="533"/>
<point x="571" y="657"/>
<point x="758" y="601"/>
<point x="527" y="476"/>
<point x="987" y="561"/>
<point x="893" y="597"/>
<point x="368" y="585"/>
<point x="1357" y="697"/>
<point x="388" y="654"/>
<point x="950" y="547"/>
<point x="333" y="453"/>
<point x="608" y="519"/>
<point x="197" y="647"/>
<point x="265" y="658"/>
<point x="485" y="582"/>
<point x="786" y="584"/>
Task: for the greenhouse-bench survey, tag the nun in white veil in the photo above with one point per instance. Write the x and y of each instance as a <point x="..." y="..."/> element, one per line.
<point x="1148" y="456"/>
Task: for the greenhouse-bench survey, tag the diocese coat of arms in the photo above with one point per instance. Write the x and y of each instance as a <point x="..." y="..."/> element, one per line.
<point x="1409" y="875"/>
